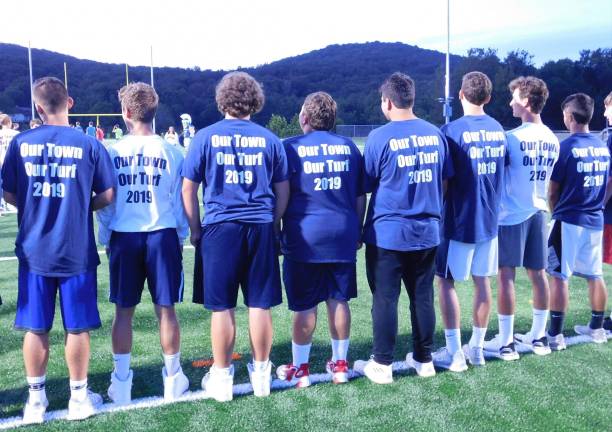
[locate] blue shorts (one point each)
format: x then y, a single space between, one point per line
232 255
36 301
308 284
152 256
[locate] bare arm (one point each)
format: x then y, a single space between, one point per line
281 191
554 191
10 198
608 191
101 200
192 209
360 208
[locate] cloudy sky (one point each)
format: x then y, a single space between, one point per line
227 34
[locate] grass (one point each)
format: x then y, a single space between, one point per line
565 391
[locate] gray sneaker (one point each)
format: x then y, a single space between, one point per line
598 335
474 355
556 343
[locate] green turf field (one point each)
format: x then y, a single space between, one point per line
571 390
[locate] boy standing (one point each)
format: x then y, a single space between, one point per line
243 168
477 145
144 231
576 198
531 153
321 230
607 240
406 164
50 173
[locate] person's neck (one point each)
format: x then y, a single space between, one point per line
529 117
57 120
473 110
6 127
578 128
231 117
142 129
401 114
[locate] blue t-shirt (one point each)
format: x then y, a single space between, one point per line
91 131
237 162
608 209
405 164
321 223
477 145
53 170
582 173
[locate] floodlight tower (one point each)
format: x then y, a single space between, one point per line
447 110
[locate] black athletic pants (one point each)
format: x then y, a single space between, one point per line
385 270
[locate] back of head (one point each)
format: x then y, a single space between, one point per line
580 106
141 100
608 100
5 121
399 89
533 89
320 109
239 95
476 87
51 94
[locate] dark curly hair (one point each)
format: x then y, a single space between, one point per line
320 109
239 95
477 87
533 89
399 88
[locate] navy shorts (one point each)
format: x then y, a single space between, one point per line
232 255
152 256
36 301
524 244
308 284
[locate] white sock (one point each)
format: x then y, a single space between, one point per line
122 365
538 325
260 366
221 371
78 389
172 363
36 388
339 349
506 329
478 337
453 340
301 353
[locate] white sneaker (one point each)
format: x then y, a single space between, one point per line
493 348
538 346
218 384
175 385
556 343
598 335
376 372
260 380
120 392
34 413
475 355
424 370
82 409
454 363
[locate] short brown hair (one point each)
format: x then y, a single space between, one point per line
141 100
580 106
320 109
5 120
239 95
533 89
608 99
35 122
50 93
399 89
476 87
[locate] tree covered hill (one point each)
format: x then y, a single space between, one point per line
351 73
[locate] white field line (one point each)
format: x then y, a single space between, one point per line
101 251
239 390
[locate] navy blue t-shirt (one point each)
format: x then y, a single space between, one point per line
608 208
477 145
405 163
321 223
53 170
237 162
582 173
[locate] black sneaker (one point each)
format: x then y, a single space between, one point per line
508 352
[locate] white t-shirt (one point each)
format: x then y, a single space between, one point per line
532 151
148 194
6 135
172 138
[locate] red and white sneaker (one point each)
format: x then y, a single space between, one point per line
300 376
339 370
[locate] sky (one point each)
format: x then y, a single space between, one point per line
227 34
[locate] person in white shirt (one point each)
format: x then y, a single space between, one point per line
6 135
171 136
533 150
144 231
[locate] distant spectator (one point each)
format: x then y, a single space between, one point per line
171 136
78 126
91 130
6 135
34 123
15 126
99 133
118 132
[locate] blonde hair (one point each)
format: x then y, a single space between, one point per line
141 100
